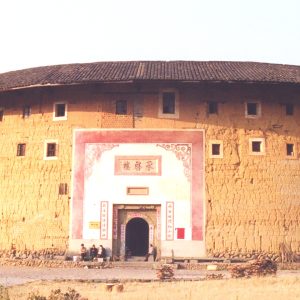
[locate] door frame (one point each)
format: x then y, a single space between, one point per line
123 213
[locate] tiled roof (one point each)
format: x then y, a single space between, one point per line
151 70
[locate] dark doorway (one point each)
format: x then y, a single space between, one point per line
137 237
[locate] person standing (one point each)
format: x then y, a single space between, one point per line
151 252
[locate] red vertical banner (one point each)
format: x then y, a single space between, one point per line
170 221
104 220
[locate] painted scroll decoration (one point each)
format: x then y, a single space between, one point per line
104 220
183 152
170 221
93 152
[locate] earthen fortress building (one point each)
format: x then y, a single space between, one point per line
193 157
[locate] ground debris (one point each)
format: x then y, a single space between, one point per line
256 267
165 272
214 276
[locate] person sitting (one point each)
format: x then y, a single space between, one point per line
102 252
93 252
152 251
83 252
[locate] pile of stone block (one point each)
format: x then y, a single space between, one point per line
257 267
165 272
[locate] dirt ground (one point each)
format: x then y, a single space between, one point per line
142 284
270 288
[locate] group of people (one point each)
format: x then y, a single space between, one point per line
93 254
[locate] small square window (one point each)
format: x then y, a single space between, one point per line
121 107
253 109
289 109
290 151
212 107
26 111
21 149
1 115
60 111
216 149
63 189
168 103
51 149
257 146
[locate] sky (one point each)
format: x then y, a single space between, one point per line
49 32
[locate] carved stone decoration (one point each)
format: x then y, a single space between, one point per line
182 152
93 153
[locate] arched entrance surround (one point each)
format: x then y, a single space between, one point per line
133 215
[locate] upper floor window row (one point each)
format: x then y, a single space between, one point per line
168 107
252 109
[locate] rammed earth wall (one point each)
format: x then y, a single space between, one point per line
252 202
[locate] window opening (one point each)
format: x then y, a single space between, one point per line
213 107
51 149
168 103
63 189
60 110
256 146
252 109
21 149
290 149
289 109
26 111
215 149
121 107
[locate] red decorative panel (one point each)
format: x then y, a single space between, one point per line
180 233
